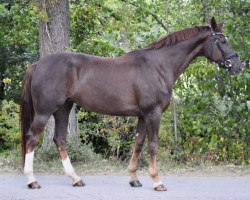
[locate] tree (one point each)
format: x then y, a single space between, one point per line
54 36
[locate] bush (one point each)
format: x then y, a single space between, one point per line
9 125
111 136
77 152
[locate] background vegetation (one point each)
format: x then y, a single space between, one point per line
212 108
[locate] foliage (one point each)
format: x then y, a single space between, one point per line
212 128
77 152
109 135
9 128
18 45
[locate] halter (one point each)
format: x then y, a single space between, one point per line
226 64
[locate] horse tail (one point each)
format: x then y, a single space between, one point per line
26 108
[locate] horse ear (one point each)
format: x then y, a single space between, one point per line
221 24
213 23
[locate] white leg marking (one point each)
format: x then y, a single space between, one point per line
28 167
157 184
69 170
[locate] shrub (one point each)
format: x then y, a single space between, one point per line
9 125
77 152
111 136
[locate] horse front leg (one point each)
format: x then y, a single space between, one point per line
153 124
139 140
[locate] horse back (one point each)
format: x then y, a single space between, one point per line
103 85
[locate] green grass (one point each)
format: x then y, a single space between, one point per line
90 163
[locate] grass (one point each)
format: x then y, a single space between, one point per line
90 163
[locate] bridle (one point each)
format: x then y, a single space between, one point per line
226 64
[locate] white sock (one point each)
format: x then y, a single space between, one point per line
157 184
69 170
28 167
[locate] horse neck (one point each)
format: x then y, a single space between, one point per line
177 57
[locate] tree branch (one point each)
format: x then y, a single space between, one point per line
152 14
206 11
22 5
166 10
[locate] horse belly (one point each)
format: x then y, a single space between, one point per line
110 100
108 105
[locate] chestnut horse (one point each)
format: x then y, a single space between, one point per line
139 83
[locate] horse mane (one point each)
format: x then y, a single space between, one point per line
177 36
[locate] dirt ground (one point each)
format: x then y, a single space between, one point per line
115 187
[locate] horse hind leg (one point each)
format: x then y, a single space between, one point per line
32 138
60 139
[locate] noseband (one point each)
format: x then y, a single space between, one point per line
226 64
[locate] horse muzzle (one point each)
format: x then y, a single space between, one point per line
233 67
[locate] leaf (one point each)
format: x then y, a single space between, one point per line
214 138
248 105
209 129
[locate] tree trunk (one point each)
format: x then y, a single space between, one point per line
54 37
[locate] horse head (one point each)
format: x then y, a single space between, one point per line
218 49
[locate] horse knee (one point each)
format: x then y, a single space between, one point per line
153 148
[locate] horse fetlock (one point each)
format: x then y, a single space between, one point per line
28 171
75 178
153 173
132 168
69 173
157 184
69 170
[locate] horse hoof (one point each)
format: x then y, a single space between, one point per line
160 187
79 184
135 183
34 185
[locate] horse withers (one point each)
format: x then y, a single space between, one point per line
138 83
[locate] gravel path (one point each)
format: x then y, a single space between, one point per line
13 187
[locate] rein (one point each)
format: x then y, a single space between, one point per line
226 64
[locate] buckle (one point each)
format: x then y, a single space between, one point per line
228 64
